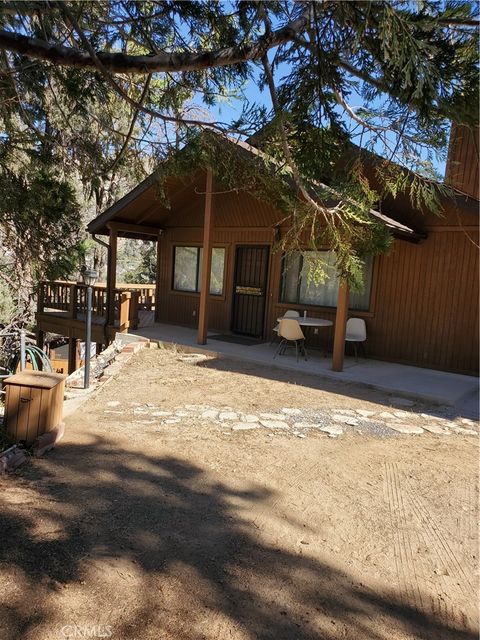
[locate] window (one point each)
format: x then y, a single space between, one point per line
187 269
301 286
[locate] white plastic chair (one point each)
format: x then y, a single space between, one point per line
290 331
356 334
289 313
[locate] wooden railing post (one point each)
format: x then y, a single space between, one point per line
133 312
124 311
72 306
41 297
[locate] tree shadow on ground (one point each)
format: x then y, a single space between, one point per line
157 548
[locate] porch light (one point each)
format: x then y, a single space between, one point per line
89 277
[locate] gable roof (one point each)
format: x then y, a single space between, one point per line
133 208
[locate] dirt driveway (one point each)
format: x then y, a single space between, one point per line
156 519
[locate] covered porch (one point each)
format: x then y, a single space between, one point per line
402 381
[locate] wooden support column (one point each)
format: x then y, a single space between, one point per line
157 279
206 261
111 277
72 355
340 326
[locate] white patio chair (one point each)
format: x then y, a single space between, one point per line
289 313
356 334
290 331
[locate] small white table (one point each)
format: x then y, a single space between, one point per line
309 321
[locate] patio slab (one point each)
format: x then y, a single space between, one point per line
426 385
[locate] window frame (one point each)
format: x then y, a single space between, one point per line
196 293
367 312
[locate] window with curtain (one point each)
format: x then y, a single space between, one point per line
187 269
300 282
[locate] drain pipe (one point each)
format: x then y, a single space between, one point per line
102 242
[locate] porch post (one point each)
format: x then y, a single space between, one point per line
206 262
340 326
111 277
157 278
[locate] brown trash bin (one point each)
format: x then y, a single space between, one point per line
33 404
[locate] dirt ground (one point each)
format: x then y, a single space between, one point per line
140 528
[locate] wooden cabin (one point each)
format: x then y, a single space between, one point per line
420 301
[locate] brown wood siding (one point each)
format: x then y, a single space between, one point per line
424 298
462 170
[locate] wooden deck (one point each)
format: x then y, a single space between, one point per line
61 309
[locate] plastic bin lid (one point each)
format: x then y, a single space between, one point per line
42 379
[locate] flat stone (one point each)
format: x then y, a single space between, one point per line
291 412
272 416
467 421
243 426
386 415
113 411
274 424
306 425
405 428
353 422
161 413
194 407
182 414
249 417
365 413
210 414
433 427
301 435
346 412
465 432
172 421
402 402
228 415
334 431
429 416
143 421
113 403
403 414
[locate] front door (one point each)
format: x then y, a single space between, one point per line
249 290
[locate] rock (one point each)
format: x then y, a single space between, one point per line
243 426
403 414
249 417
433 427
306 425
172 421
405 428
352 422
274 424
402 402
332 431
272 416
291 412
301 435
467 421
113 403
182 414
112 411
365 413
386 415
158 414
210 414
346 412
228 415
429 416
463 431
193 407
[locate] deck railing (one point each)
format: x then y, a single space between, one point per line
68 300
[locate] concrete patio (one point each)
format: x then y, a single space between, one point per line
427 385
